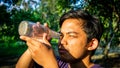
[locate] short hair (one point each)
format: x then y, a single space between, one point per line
91 25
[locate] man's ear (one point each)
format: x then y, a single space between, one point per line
93 44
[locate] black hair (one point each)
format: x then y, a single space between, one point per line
91 25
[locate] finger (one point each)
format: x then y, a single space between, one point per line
29 40
29 44
45 24
35 28
38 22
45 39
25 38
31 47
46 27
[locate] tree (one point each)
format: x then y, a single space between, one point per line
109 13
48 11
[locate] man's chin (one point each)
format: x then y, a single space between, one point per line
67 58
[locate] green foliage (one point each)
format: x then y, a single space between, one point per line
4 15
54 43
14 49
109 14
45 13
49 11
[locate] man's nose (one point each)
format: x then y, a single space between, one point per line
63 41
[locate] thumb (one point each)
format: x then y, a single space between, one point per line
45 39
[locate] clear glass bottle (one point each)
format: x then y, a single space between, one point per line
31 29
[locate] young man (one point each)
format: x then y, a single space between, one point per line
80 34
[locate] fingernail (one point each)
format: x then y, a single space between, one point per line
20 37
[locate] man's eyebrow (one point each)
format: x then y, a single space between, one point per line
72 32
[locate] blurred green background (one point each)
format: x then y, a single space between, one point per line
12 12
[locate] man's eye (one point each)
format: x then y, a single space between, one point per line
61 36
73 36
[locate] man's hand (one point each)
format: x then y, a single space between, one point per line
39 30
41 51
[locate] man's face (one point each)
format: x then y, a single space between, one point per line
73 40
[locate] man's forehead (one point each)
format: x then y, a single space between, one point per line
76 21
